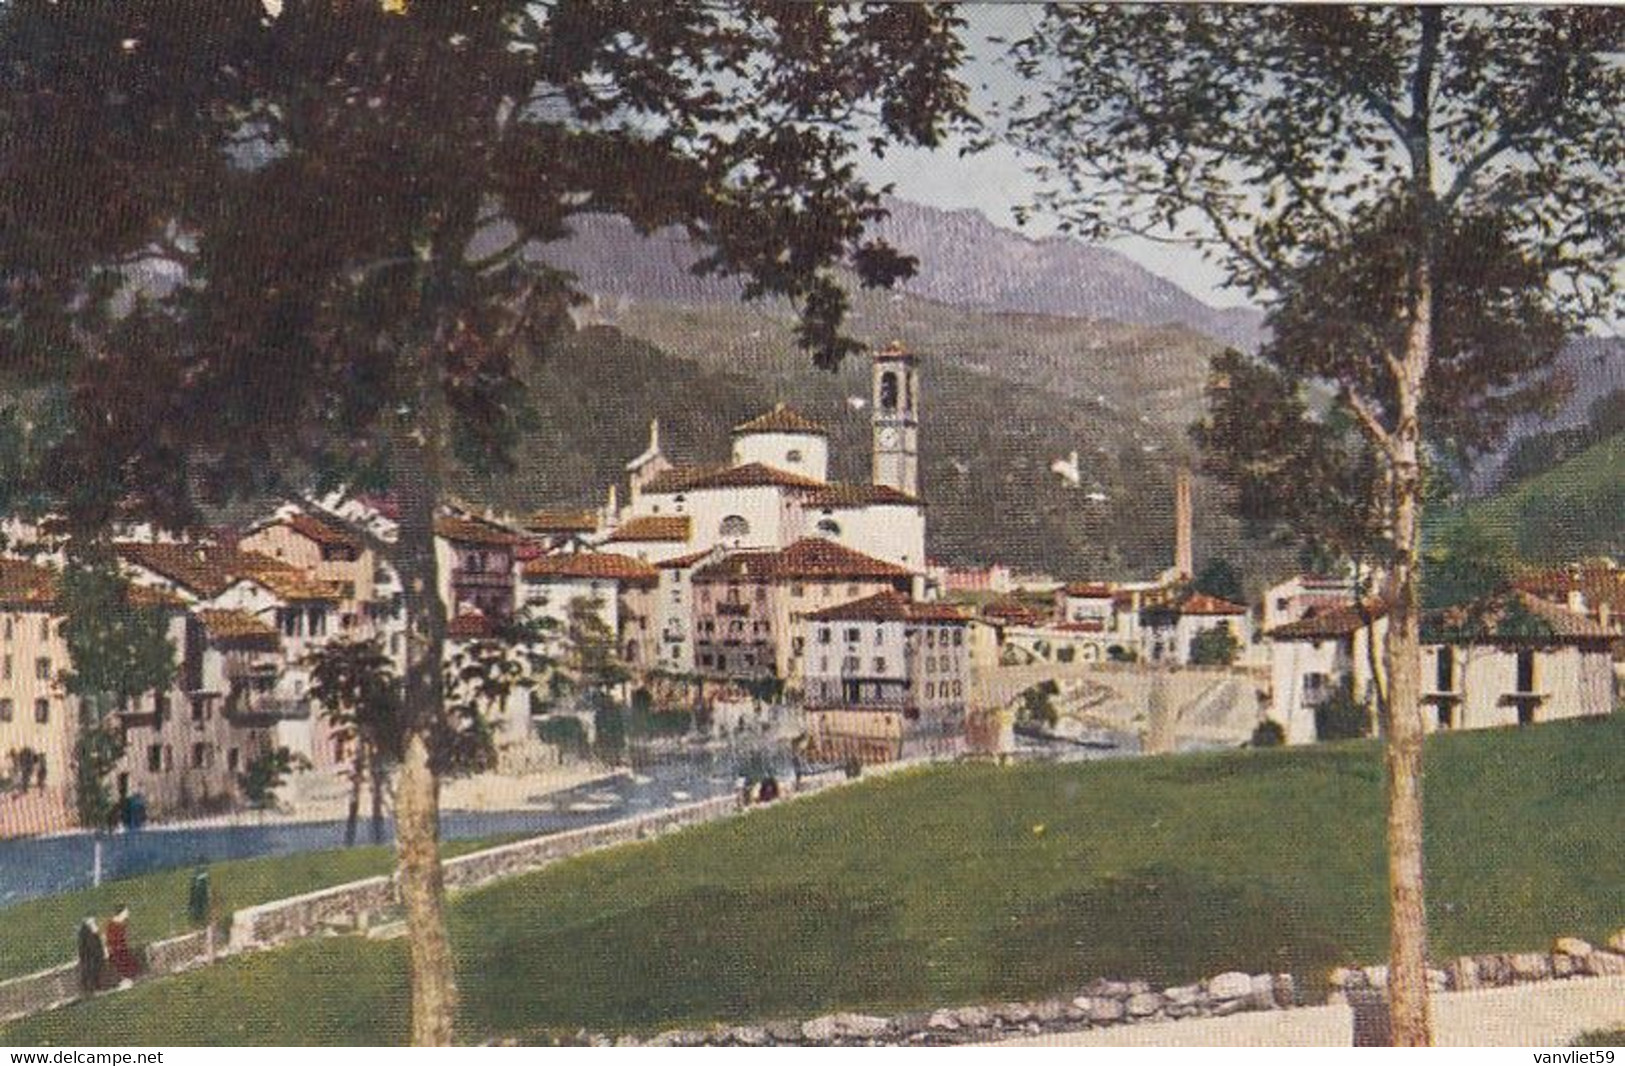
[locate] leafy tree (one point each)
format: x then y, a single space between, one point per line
294 246
1218 578
1342 715
1215 646
266 772
1038 705
355 684
1468 561
1426 199
590 659
118 651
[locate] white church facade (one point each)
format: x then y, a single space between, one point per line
775 490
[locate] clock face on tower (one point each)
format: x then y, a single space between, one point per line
888 437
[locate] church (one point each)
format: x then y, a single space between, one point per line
775 490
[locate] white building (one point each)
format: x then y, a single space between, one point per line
1313 656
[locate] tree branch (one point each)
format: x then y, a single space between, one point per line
1379 434
356 529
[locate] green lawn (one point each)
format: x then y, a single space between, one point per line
38 933
964 884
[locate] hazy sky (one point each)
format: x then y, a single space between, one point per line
997 180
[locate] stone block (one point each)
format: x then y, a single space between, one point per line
1262 994
1286 990
1144 1004
1463 972
975 1017
1530 965
1571 945
1604 964
1105 1009
1231 985
844 1026
944 1020
1183 995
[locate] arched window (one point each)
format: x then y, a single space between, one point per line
793 455
829 527
888 391
734 525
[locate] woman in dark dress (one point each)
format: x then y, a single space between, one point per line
92 957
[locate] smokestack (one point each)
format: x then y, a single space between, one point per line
1184 561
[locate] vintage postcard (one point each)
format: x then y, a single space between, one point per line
752 523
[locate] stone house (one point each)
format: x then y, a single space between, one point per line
620 589
1311 657
476 564
37 719
1168 630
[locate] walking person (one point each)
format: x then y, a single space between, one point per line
92 957
123 959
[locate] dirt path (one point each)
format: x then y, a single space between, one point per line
1543 1014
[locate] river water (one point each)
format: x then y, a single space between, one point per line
45 866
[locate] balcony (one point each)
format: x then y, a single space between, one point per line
258 709
738 610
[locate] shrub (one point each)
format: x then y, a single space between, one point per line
564 732
1269 734
1341 716
1216 646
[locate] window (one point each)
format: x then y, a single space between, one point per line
290 621
798 590
888 391
829 527
734 526
930 691
1314 684
169 757
42 669
959 638
849 665
824 634
880 665
42 711
160 709
200 708
880 636
1282 603
1526 671
155 758
318 621
796 646
852 636
6 711
959 688
852 590
45 629
8 627
793 455
5 669
233 758
200 756
1444 670
930 664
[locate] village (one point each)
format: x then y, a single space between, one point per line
757 596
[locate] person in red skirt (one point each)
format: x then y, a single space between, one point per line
120 956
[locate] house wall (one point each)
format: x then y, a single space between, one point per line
673 620
873 655
891 532
1574 682
765 509
806 454
26 637
283 543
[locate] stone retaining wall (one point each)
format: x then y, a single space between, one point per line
47 989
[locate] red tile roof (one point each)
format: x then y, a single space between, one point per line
315 529
1329 623
25 586
782 419
746 476
470 626
473 531
888 606
207 570
683 562
1513 618
236 626
1088 590
588 565
808 558
562 522
653 528
1013 611
838 496
1200 603
1599 585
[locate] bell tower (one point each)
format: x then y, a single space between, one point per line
896 419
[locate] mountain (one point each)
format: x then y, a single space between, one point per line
965 260
968 261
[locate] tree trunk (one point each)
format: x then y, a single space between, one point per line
377 801
357 773
417 789
1407 966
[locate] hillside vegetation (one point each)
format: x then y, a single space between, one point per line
1572 511
969 883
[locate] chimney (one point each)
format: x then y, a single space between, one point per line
1184 562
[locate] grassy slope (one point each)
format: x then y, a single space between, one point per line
38 933
1573 510
965 884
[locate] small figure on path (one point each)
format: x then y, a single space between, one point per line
92 957
769 790
119 954
197 899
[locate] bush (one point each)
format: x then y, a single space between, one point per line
1269 734
609 729
564 732
1342 717
1216 646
